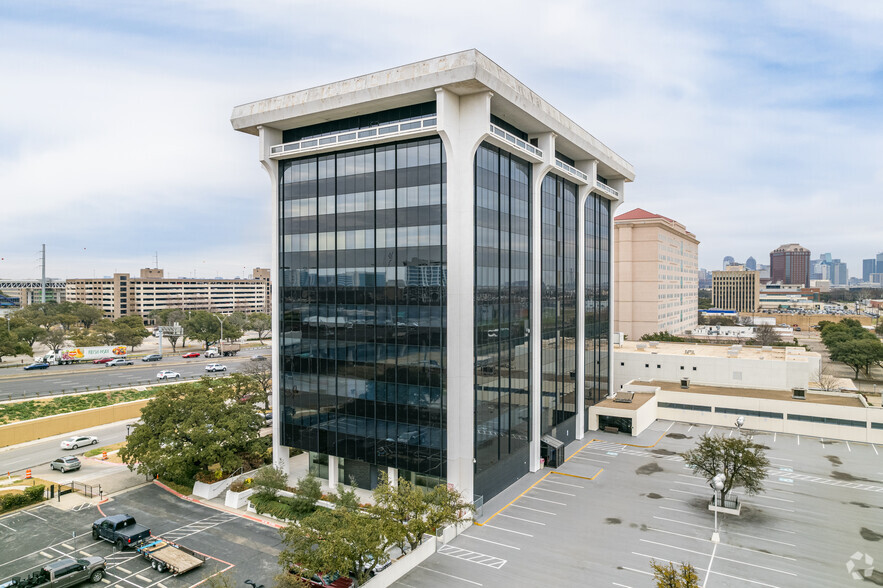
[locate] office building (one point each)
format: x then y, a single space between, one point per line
21 293
729 259
479 218
869 266
789 264
751 264
123 295
657 289
737 290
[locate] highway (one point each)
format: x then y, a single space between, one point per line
15 383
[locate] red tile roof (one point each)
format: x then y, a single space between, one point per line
640 213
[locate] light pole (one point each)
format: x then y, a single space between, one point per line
717 484
221 340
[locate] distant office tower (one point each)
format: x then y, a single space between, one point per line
880 263
869 266
837 273
736 290
655 272
789 264
728 260
751 264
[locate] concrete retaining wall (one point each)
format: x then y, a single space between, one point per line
60 424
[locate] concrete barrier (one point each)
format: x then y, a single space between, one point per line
59 424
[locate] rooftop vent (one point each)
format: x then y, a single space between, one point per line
625 397
654 343
798 393
641 346
766 348
685 383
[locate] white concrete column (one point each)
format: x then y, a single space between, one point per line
614 204
546 142
463 121
588 166
333 477
268 138
392 475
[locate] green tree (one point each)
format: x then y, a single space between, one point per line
26 331
85 338
235 326
662 336
268 481
334 542
742 461
53 338
203 326
261 323
129 330
190 427
104 331
86 314
859 354
168 317
409 513
11 344
667 576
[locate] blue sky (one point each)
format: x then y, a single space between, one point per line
754 124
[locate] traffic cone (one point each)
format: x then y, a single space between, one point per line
104 454
27 474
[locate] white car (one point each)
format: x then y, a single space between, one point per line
215 367
77 442
167 375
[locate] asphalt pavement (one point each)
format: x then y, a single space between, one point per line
16 384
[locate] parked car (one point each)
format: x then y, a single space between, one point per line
37 366
215 367
167 375
103 360
77 442
62 573
191 354
330 580
67 463
258 357
152 357
118 361
120 529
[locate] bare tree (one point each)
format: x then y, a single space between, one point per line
765 335
261 374
826 381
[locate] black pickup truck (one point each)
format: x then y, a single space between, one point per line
121 530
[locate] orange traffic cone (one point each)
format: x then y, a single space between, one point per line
104 454
27 474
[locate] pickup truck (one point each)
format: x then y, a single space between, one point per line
121 530
62 573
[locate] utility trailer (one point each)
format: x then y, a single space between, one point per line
167 556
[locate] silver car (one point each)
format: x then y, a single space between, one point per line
67 463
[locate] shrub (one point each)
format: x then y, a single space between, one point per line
34 493
239 486
268 481
11 501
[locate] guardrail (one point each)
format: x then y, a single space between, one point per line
355 136
571 170
518 143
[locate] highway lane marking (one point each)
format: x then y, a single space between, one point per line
535 509
507 530
523 520
489 541
450 575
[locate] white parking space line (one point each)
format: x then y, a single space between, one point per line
768 506
693 551
875 449
677 534
761 538
742 580
646 573
621 585
450 575
687 492
489 541
711 561
544 500
10 528
553 491
684 523
533 509
779 459
729 546
33 515
520 519
507 530
679 510
547 481
66 546
771 498
472 556
44 554
689 484
848 447
142 578
122 569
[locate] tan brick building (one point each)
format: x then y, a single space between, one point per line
122 294
656 271
736 290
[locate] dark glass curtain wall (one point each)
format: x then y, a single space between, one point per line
597 227
502 318
558 305
363 306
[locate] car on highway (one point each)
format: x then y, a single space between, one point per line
191 354
67 463
77 442
103 360
215 367
258 357
40 365
167 375
118 361
152 357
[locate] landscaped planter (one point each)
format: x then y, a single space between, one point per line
237 499
731 506
209 491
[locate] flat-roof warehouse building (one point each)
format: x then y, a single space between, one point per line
442 261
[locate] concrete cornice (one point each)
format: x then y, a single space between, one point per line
463 73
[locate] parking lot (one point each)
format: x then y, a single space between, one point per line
619 503
242 548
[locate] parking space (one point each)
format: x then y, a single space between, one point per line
31 538
619 503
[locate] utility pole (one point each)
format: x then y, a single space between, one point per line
43 277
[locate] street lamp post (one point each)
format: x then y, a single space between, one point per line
717 484
221 320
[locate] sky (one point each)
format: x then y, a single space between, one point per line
752 123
